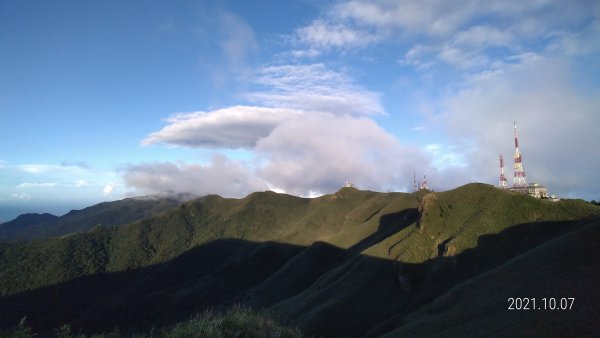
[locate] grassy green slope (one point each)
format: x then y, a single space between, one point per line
352 263
25 266
566 266
234 322
264 216
460 234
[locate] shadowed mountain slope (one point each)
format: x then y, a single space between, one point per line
354 263
566 266
264 216
212 275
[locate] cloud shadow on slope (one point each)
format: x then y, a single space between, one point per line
228 271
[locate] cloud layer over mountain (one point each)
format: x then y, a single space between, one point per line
309 126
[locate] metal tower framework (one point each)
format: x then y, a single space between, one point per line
424 184
519 176
503 182
415 186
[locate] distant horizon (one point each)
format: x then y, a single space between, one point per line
63 210
104 100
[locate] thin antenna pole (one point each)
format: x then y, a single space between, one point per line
519 175
415 187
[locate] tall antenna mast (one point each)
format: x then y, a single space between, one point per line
502 183
519 177
424 184
415 186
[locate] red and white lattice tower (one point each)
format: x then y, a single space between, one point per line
519 177
502 183
424 184
415 186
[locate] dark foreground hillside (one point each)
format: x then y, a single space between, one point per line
352 264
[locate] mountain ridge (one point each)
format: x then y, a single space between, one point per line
114 213
330 264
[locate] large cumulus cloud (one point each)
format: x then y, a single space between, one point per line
321 151
478 67
310 130
553 117
310 154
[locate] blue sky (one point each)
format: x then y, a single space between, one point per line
103 100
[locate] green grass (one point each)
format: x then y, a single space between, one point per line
237 321
265 216
352 263
563 267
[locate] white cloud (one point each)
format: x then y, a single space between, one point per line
310 129
553 117
318 153
34 168
232 127
444 157
37 185
222 176
462 58
444 19
415 17
480 36
288 92
46 168
420 56
424 57
453 33
302 53
359 24
307 117
314 87
310 134
469 48
312 154
81 183
21 196
324 35
582 42
108 189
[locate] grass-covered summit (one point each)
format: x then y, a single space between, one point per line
353 263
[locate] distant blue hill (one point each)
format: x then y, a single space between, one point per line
33 226
26 220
